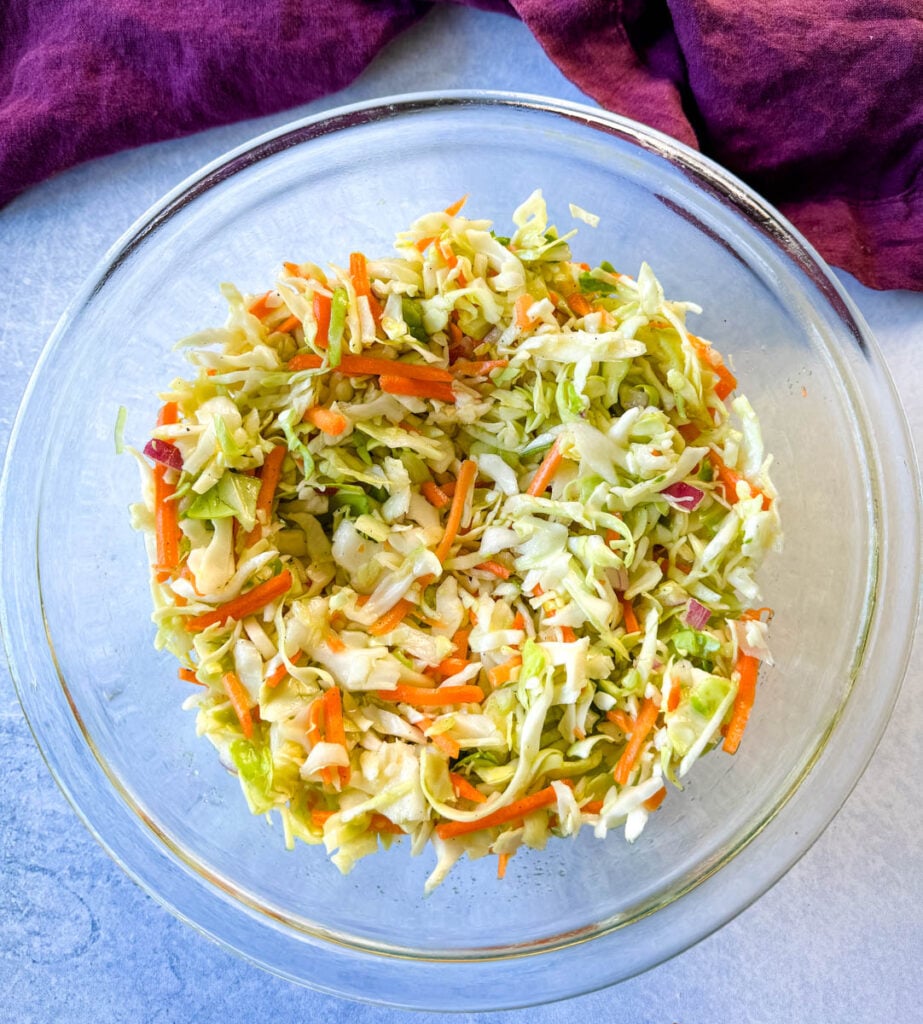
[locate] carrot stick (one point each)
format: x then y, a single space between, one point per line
747 669
424 698
503 860
359 272
258 307
166 514
322 306
653 802
521 312
304 361
451 666
446 744
478 367
240 701
379 823
641 726
188 676
336 733
448 488
269 480
243 605
335 643
578 304
434 494
546 471
464 789
628 614
376 366
621 719
500 674
293 270
448 255
519 621
517 809
328 421
568 635
495 569
463 486
276 677
460 639
435 390
287 326
729 479
454 209
391 619
674 698
320 818
689 432
592 807
422 244
726 380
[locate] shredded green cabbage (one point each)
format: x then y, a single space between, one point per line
554 617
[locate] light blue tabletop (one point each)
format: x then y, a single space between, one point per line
839 939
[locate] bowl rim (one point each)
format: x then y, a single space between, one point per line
708 175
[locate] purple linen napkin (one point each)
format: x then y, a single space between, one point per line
818 104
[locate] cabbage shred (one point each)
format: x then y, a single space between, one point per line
564 609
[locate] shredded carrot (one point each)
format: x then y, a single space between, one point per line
689 432
359 272
674 698
467 475
293 270
730 478
379 823
546 471
392 618
426 698
592 807
446 744
503 860
501 674
304 361
448 255
166 515
336 733
628 613
240 701
434 494
653 802
320 818
621 719
478 367
435 390
460 640
512 812
642 725
726 380
322 305
276 677
451 666
495 569
377 366
269 481
335 643
243 605
757 613
464 790
328 421
578 304
287 326
568 635
188 676
521 312
422 244
519 621
456 337
455 208
258 307
747 670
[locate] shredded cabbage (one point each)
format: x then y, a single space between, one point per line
446 468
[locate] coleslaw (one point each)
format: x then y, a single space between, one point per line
459 544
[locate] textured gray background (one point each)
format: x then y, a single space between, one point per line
839 939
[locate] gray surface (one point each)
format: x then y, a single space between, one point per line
838 939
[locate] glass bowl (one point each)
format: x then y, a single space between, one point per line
105 707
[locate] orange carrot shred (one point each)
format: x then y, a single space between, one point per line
322 305
460 640
568 635
653 802
521 312
628 614
689 432
467 475
335 643
501 674
435 390
478 367
434 494
188 676
747 670
495 569
379 823
578 304
240 701
546 471
446 744
730 478
642 725
276 677
422 244
269 481
464 789
377 366
333 719
243 605
258 307
287 326
455 208
328 421
391 619
621 719
451 666
503 860
512 812
592 807
166 514
418 696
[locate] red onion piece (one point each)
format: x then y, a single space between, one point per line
165 453
697 615
683 496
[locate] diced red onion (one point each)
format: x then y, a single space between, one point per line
683 496
697 615
165 453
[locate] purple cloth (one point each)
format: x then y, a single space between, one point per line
818 104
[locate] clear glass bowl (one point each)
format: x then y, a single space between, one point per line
105 707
